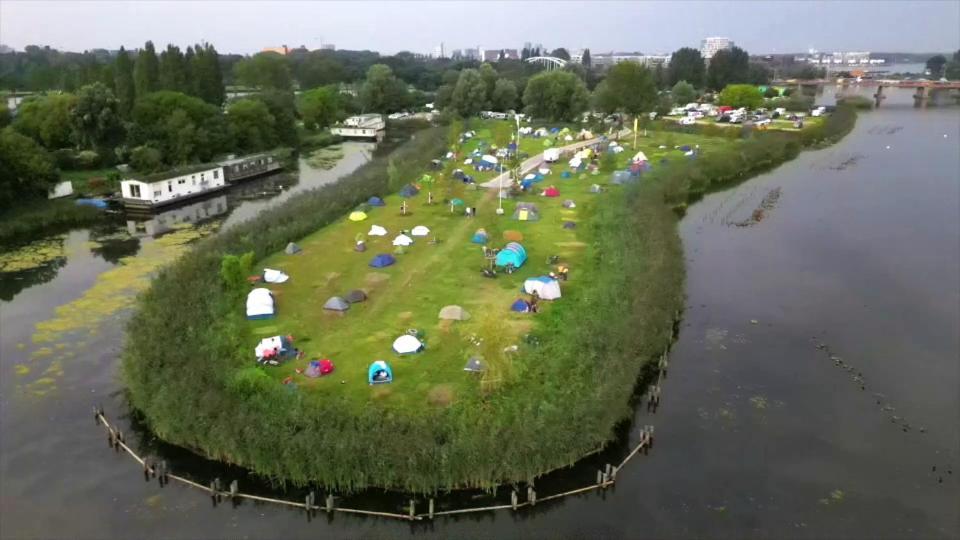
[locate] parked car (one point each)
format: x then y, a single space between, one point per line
688 120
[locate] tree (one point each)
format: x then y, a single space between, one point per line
382 91
771 92
266 70
952 69
123 83
686 64
586 60
96 119
207 78
604 100
25 168
741 95
728 66
560 53
319 69
146 159
283 108
183 128
758 74
683 92
173 71
47 120
469 96
555 96
320 107
631 88
935 64
146 72
5 116
489 77
251 125
504 96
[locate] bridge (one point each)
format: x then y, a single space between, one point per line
921 97
551 62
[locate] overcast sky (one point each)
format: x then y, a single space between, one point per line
249 26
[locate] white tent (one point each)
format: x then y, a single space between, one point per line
402 240
551 154
640 156
541 132
585 134
546 289
568 137
575 162
543 170
616 149
526 130
260 304
468 161
454 313
268 344
420 230
376 230
274 276
407 344
449 155
489 159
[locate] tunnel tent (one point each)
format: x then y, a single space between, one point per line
453 313
402 240
420 230
407 344
382 260
274 276
292 249
355 296
512 255
376 201
377 230
336 303
379 372
526 212
260 304
475 365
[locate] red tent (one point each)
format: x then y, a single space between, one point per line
551 192
326 367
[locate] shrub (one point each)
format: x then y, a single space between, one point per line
146 159
88 159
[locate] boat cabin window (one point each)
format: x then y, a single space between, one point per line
216 174
182 181
157 193
135 191
201 177
170 186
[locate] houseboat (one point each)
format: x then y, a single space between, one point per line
155 190
364 126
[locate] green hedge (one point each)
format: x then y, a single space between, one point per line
40 217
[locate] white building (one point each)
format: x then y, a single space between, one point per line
709 46
366 126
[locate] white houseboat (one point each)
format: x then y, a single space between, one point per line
364 126
174 186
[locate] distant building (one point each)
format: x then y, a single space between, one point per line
577 56
838 58
438 51
709 46
471 54
279 50
611 58
5 50
328 47
493 55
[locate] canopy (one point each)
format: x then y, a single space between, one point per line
292 249
513 254
454 313
409 190
377 230
379 372
375 201
319 368
402 240
475 365
420 230
358 216
546 288
276 344
407 344
355 296
274 276
479 237
382 260
551 191
526 212
336 303
260 304
520 306
569 204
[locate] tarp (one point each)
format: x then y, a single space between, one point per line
409 190
513 254
376 201
526 212
520 306
551 191
379 372
260 304
319 368
402 240
377 230
513 236
546 288
355 296
420 230
475 365
274 276
407 344
336 303
453 313
382 260
358 216
292 249
569 204
479 237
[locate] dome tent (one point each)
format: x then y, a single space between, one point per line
569 225
475 365
274 276
520 306
358 216
379 372
319 368
377 230
274 347
526 212
513 254
382 260
376 201
260 304
336 303
420 230
454 313
551 191
292 249
402 240
546 287
355 296
407 344
569 203
409 190
479 237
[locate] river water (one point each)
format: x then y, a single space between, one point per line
813 391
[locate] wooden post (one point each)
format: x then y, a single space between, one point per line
431 508
513 499
412 508
146 469
532 495
329 503
213 491
599 477
164 473
234 489
609 472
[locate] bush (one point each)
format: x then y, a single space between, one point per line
857 102
146 159
87 159
65 158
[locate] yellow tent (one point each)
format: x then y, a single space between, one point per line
358 216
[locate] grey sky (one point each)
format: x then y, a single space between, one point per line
248 26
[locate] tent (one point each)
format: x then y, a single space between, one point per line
526 212
409 190
272 347
382 260
547 143
489 159
551 191
565 174
355 296
360 246
426 179
336 303
420 230
274 276
623 177
377 230
292 249
513 236
458 174
595 188
454 313
479 237
529 176
407 344
520 306
684 148
640 156
456 202
575 162
569 225
568 138
402 240
260 304
379 372
513 254
319 368
544 170
546 287
376 201
569 203
475 365
358 216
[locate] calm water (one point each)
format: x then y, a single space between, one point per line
760 434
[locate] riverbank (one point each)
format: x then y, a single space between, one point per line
573 378
44 217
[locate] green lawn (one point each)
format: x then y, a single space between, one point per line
427 277
94 181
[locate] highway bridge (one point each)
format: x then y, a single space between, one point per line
924 90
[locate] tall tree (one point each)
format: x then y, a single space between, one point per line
728 66
504 96
632 87
470 94
189 79
26 170
489 77
146 72
686 64
758 74
47 120
318 69
123 83
683 93
935 64
556 96
382 91
207 78
320 107
173 73
586 60
183 128
96 119
251 125
267 70
283 108
952 69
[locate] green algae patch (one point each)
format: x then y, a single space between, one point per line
325 158
34 255
21 369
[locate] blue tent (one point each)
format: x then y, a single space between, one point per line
565 174
375 201
409 190
555 130
525 185
382 260
379 373
520 306
512 146
513 254
685 148
538 177
479 237
459 174
467 179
